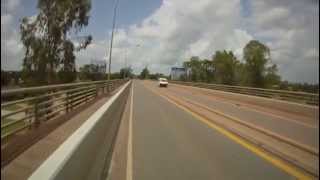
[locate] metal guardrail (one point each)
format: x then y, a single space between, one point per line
298 97
87 153
25 108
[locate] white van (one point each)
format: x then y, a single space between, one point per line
163 82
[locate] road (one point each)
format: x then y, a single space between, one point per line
170 143
303 130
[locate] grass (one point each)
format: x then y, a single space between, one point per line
12 107
11 127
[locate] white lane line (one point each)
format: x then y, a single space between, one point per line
129 151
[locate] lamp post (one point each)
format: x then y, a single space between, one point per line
111 42
125 64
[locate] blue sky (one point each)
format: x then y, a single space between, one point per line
129 12
170 31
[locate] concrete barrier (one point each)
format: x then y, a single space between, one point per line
86 154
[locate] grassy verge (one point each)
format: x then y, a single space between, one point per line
12 107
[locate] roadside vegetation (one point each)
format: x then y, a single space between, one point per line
255 70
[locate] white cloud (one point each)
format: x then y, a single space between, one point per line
179 29
291 29
11 47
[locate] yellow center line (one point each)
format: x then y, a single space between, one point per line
258 151
247 106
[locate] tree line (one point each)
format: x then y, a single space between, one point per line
145 74
256 70
224 68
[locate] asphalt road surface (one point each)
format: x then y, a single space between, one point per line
169 143
289 126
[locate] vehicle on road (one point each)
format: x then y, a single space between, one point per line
163 82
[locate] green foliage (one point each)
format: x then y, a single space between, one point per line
257 56
200 70
5 79
90 72
47 46
240 74
225 64
144 73
156 76
10 78
67 76
224 68
126 72
272 79
11 128
311 88
194 65
115 75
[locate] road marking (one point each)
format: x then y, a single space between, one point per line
129 150
258 151
247 106
267 132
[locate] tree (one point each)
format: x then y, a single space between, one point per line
156 76
4 78
207 74
144 73
126 72
194 65
90 72
115 75
272 79
225 64
45 37
200 70
256 55
240 74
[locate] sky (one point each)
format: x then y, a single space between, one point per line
161 34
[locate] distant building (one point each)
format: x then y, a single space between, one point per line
177 73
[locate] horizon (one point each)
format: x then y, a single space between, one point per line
171 31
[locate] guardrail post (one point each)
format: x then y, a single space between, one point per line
27 113
67 102
97 90
36 113
86 97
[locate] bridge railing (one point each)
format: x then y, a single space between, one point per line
87 153
25 108
298 97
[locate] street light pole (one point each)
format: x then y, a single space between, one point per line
125 61
111 42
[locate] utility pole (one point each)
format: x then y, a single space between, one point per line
111 42
125 63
